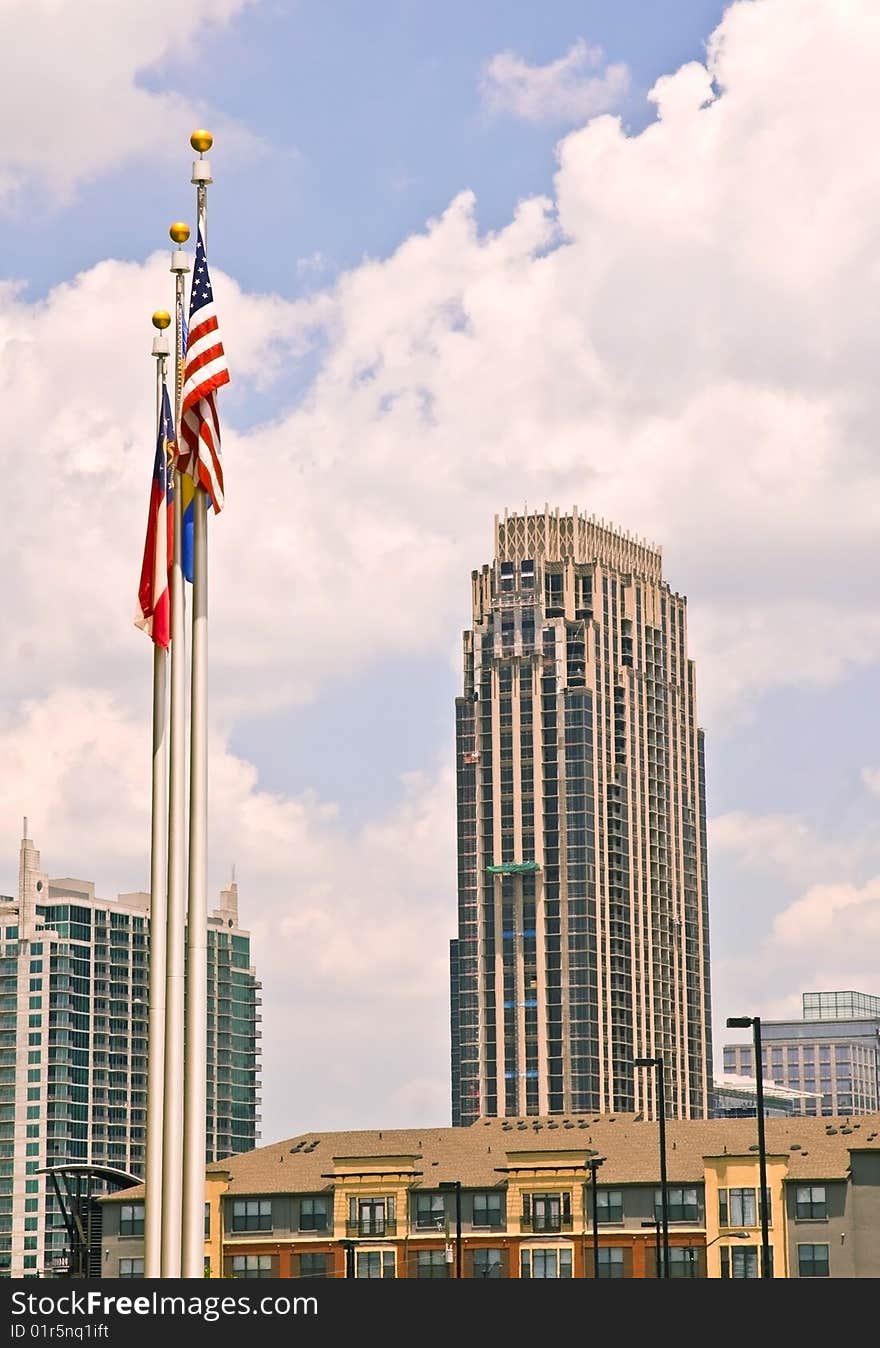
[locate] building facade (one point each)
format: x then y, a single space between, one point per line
74 983
390 1204
583 933
832 1054
736 1097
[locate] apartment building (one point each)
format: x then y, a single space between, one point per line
74 983
583 923
391 1203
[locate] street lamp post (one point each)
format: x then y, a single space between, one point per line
593 1165
726 1235
657 1063
743 1023
454 1186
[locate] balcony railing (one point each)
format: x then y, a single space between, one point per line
545 1225
371 1226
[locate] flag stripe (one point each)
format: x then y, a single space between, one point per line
205 371
153 613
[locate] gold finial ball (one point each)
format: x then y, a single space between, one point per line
179 231
201 141
161 319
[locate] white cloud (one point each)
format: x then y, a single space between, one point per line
350 928
565 90
681 340
71 101
786 846
871 778
644 345
809 909
830 913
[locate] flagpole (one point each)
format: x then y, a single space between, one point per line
195 1090
172 1168
158 842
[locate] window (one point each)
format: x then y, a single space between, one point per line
207 1221
371 1217
813 1261
738 1207
487 1209
545 1263
612 1262
488 1263
430 1212
313 1214
609 1205
432 1264
131 1268
252 1266
375 1264
810 1204
683 1204
314 1266
683 1262
547 1212
251 1214
131 1219
739 1262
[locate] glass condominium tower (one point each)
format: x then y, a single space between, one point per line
74 983
583 933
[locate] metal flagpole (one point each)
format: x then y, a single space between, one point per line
194 1106
158 840
172 1166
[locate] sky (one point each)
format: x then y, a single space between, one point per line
465 258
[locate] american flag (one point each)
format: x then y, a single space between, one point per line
204 372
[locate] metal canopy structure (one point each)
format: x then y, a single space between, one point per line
78 1187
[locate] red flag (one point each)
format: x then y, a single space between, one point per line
153 614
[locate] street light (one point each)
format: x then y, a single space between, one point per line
454 1186
743 1023
657 1063
593 1165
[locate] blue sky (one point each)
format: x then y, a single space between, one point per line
371 121
463 261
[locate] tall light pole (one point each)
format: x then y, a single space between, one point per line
593 1165
454 1186
743 1023
657 1063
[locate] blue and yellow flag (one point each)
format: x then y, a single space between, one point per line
187 491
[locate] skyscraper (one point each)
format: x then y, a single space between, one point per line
583 936
74 980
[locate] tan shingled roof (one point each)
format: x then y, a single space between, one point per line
485 1153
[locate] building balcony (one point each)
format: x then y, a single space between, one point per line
371 1226
545 1225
